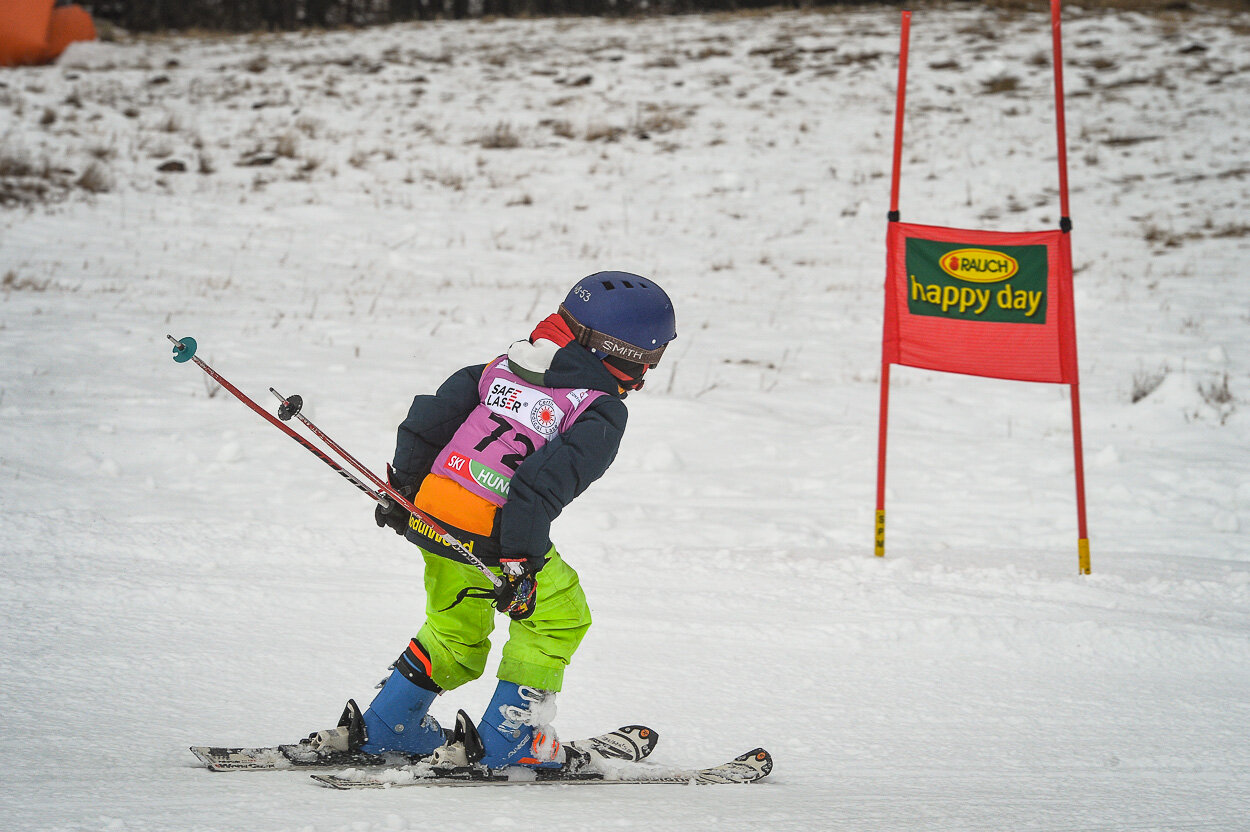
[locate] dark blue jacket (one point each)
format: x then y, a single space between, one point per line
548 479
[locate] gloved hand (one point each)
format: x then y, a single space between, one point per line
392 513
516 595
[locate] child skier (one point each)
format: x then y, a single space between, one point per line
494 456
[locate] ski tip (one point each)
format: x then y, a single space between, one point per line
204 754
184 348
328 781
759 759
646 737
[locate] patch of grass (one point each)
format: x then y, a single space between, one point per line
858 58
308 125
12 283
287 145
560 127
304 172
499 137
604 133
1128 141
709 52
1146 382
1234 230
16 164
1216 394
658 120
95 179
25 180
1000 84
1165 237
447 179
662 62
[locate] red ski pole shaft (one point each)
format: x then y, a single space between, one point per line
389 490
180 355
334 446
238 394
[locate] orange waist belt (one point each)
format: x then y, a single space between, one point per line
446 500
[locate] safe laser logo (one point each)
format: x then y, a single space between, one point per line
1006 284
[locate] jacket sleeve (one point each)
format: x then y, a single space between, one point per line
561 470
431 423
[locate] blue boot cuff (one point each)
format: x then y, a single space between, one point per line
396 719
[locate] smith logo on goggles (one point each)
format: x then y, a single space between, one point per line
595 340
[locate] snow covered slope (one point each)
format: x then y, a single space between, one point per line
360 214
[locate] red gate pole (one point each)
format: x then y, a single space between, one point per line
1065 225
898 114
1082 529
1065 218
883 413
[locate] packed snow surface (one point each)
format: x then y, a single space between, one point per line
352 216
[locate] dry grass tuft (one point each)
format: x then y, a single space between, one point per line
499 137
1146 382
1000 84
12 283
604 133
95 179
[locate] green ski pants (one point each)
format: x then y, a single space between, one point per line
538 648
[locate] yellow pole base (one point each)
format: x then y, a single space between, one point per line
879 540
1082 546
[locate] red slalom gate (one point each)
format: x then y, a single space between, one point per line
984 303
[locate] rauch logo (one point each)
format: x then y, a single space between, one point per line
979 265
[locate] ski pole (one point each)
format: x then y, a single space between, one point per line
292 406
184 351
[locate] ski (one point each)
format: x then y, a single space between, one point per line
292 756
587 769
629 743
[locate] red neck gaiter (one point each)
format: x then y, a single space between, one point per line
552 328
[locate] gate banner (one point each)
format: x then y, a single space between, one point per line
982 303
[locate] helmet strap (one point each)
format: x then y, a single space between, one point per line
592 339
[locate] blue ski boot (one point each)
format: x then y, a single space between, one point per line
514 731
397 720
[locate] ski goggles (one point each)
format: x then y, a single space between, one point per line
592 339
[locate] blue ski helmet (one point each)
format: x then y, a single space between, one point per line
620 315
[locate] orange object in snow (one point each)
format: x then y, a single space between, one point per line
68 24
33 32
24 31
